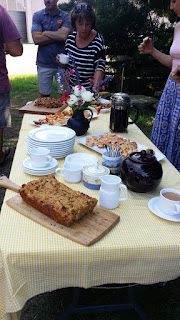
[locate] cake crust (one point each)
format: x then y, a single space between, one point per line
56 200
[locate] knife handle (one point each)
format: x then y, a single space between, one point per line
8 184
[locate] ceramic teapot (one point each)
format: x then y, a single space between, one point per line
141 171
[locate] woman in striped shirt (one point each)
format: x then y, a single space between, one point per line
86 49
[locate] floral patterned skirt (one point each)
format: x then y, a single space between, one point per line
166 129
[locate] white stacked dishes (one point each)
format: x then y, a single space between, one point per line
59 140
29 168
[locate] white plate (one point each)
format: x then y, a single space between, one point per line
102 100
55 154
140 147
46 133
52 146
82 158
32 121
105 110
28 165
39 173
153 206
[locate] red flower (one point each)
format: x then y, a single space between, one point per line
64 97
71 72
79 87
91 80
80 103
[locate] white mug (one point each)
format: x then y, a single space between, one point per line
40 157
63 58
110 191
72 172
169 201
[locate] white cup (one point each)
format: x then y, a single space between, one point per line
40 157
110 191
169 201
63 58
72 172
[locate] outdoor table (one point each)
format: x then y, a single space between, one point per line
142 248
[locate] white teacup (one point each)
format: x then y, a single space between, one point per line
40 157
110 191
63 58
72 172
169 201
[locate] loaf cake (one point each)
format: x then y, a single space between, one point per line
56 200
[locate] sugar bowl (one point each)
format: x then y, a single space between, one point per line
92 174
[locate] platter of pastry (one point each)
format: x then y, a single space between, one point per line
97 142
59 118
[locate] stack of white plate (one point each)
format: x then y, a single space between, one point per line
59 140
43 171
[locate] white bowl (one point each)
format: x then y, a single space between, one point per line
85 159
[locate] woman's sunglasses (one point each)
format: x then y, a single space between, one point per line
83 6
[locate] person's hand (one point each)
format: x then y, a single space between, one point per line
5 49
63 66
57 58
175 74
146 46
96 92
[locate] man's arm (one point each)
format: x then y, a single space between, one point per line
39 38
60 35
14 48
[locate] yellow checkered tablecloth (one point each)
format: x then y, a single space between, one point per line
142 248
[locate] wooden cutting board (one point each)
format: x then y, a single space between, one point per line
86 231
31 108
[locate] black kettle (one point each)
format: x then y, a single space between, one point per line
120 109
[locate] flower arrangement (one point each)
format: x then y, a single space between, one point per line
80 98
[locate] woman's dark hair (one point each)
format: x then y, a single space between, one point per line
83 11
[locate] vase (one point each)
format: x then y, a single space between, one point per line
78 122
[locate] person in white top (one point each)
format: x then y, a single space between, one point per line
166 129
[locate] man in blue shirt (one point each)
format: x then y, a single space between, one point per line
50 29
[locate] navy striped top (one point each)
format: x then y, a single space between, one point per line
85 61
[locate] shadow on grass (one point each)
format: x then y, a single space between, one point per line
158 301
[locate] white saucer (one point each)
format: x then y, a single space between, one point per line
153 206
105 110
27 164
39 173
